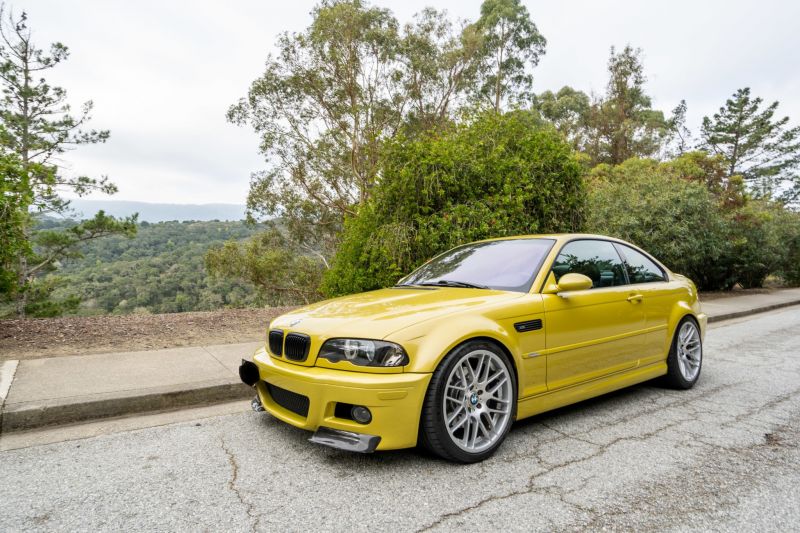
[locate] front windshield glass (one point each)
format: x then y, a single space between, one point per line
507 265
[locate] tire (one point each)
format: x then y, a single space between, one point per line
483 403
685 358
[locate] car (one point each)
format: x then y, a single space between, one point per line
477 337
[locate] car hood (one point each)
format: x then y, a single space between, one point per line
377 314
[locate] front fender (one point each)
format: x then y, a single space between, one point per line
427 350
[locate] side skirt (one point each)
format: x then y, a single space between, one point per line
548 401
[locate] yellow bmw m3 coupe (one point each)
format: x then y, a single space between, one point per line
477 337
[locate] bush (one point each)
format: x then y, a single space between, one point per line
694 219
493 176
677 220
789 224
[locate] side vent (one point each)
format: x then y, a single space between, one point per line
528 325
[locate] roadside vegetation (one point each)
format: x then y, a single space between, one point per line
160 271
388 143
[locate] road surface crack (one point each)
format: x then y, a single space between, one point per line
255 518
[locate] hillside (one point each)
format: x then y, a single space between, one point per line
152 212
161 270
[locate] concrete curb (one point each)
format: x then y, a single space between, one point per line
34 415
754 311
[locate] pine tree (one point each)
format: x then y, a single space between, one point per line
764 150
36 126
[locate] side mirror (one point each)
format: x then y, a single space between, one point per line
574 282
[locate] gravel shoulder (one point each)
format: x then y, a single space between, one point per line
51 337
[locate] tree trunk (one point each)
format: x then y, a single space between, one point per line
21 295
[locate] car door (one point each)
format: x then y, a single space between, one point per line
650 281
594 332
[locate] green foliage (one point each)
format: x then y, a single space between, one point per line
440 66
619 124
14 203
790 264
512 45
687 215
333 95
648 204
764 150
160 271
493 176
281 272
567 110
623 123
43 300
322 108
36 126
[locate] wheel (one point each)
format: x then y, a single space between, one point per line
470 404
685 356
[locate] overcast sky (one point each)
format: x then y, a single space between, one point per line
162 74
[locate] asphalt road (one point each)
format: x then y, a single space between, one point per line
723 456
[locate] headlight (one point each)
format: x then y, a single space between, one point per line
364 352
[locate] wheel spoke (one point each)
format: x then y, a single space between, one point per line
491 392
486 430
479 367
495 376
473 432
471 377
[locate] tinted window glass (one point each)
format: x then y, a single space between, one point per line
596 259
640 268
508 265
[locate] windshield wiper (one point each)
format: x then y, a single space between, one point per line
452 283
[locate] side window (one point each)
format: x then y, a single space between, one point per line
597 259
640 268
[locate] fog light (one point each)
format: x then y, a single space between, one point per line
361 414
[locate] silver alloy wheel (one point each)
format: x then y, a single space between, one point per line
690 351
477 400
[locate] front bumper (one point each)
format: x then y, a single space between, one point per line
395 400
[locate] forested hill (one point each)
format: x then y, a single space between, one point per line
150 212
160 270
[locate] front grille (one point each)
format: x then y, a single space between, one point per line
296 346
291 401
276 342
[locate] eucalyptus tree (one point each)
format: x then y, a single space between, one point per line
512 46
568 111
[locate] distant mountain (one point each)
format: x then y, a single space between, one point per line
159 212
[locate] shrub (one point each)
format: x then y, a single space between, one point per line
677 220
493 176
693 218
789 230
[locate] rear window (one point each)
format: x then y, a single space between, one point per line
641 269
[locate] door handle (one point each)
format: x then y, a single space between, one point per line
634 298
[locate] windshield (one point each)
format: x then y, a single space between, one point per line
507 265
